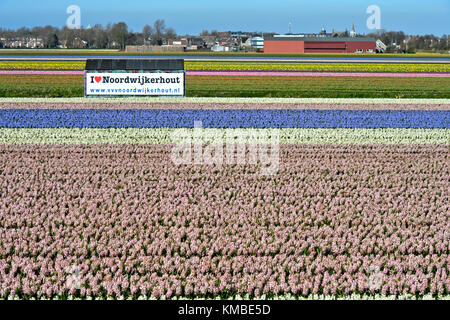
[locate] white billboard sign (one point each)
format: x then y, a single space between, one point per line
141 84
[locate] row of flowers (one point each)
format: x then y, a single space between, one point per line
261 118
282 74
251 66
124 221
250 297
223 103
252 73
340 67
43 64
166 136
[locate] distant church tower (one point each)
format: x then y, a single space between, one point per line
353 33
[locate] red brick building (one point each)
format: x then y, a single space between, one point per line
293 44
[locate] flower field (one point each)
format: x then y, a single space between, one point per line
163 135
59 78
359 206
252 66
252 73
213 103
94 205
342 67
154 118
137 225
247 86
282 74
42 65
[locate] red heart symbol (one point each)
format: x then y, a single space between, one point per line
98 79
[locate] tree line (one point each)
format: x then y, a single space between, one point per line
399 41
118 35
113 36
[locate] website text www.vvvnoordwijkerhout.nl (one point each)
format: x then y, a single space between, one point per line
139 81
136 90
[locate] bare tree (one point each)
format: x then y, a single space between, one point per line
214 33
147 32
159 30
170 33
23 32
119 33
52 41
100 37
49 36
443 42
67 35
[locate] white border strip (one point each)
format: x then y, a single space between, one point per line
228 100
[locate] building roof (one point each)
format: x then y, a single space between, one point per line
134 64
294 38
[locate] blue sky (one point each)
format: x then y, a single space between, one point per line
192 16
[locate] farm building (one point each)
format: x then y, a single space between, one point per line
299 44
257 42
